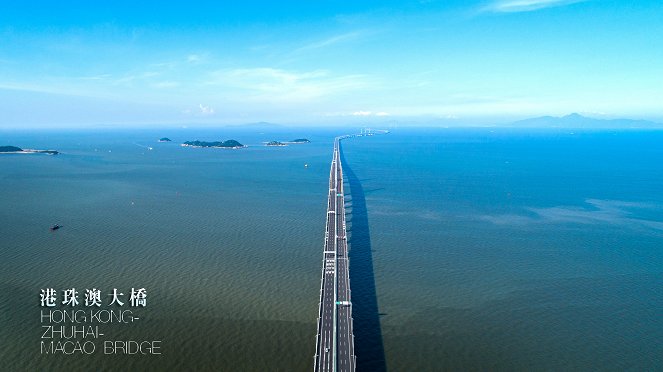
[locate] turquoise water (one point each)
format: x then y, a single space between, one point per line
490 249
514 250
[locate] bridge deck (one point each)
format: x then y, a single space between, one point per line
335 338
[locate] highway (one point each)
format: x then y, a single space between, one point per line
335 338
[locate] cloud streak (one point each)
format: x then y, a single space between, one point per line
330 41
370 113
516 6
273 84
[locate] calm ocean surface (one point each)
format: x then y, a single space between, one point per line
472 249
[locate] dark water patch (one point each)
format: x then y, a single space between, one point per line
590 329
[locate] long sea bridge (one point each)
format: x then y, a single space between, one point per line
334 349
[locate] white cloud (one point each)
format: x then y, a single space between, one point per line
135 78
166 84
513 6
330 41
96 77
272 84
197 58
205 110
370 113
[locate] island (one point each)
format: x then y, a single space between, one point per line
18 150
300 140
275 143
164 139
229 144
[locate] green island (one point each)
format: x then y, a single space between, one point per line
229 144
10 149
300 140
18 150
275 143
164 139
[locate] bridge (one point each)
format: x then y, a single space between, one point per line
334 347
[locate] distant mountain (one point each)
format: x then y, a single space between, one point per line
578 121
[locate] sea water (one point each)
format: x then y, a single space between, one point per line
471 249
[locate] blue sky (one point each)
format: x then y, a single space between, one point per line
327 62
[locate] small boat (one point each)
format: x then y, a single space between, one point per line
305 165
55 227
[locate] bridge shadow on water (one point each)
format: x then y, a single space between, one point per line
369 348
